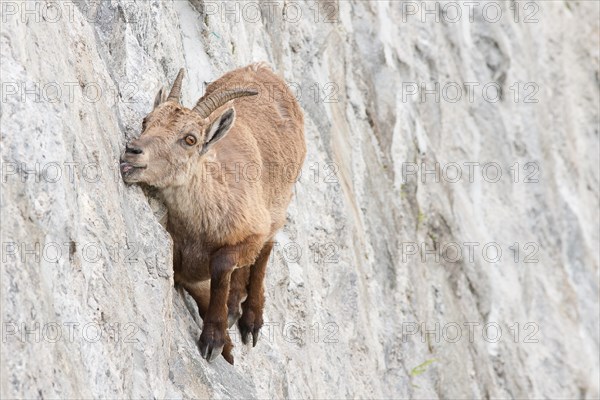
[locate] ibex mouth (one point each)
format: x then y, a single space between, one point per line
127 168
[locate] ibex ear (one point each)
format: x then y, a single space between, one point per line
218 129
161 96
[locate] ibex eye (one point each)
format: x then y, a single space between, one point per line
190 140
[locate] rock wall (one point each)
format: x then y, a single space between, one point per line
443 237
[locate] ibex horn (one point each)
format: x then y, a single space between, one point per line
176 90
211 103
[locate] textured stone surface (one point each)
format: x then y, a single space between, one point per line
85 257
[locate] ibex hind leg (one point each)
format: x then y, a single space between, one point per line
252 309
237 294
200 292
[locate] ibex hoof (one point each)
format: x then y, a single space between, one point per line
249 325
227 352
211 343
255 334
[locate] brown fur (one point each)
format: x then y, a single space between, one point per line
220 218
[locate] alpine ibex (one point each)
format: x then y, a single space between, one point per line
221 217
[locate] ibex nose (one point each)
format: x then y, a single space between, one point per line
133 149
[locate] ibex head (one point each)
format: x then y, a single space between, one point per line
175 138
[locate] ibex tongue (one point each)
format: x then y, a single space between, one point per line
125 167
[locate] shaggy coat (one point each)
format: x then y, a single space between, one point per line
226 179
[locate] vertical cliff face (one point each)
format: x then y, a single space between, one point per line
443 237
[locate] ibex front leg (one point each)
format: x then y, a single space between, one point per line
252 309
200 291
222 264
